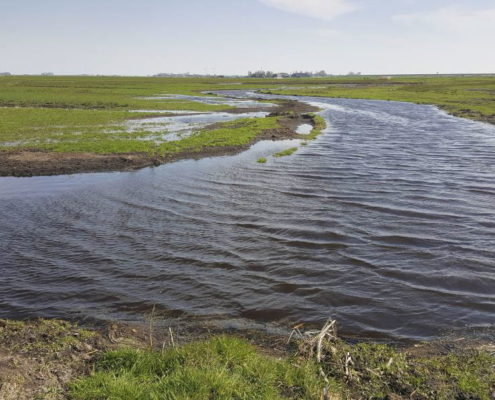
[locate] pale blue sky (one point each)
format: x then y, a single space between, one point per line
151 36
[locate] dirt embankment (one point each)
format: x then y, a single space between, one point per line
26 163
40 358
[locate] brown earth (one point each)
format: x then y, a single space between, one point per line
26 163
39 358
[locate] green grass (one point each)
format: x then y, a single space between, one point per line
88 114
262 160
380 371
320 125
221 368
471 97
284 153
226 367
56 335
103 93
71 114
102 132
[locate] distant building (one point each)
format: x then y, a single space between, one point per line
5 74
281 75
258 74
47 74
320 74
301 75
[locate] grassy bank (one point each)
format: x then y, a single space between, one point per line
468 97
56 359
78 121
87 113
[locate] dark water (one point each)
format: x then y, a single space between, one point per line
386 223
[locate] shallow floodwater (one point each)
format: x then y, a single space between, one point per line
386 222
166 129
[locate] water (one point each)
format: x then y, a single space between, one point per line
304 129
386 222
166 129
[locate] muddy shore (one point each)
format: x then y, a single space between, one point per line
40 358
27 163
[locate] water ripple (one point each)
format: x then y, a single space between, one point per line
386 222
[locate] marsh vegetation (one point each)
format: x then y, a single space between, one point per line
68 115
55 359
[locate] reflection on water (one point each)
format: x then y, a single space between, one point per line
386 222
304 129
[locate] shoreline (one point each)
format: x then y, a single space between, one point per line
29 163
465 114
56 358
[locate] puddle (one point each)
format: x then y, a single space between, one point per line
239 103
166 129
304 129
182 112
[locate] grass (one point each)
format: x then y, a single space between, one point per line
382 371
221 368
89 114
320 125
56 335
262 160
226 367
470 97
284 153
101 132
72 362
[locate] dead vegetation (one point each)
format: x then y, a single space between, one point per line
445 369
42 358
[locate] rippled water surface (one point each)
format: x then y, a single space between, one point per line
386 222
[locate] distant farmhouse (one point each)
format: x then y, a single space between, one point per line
284 75
301 75
5 74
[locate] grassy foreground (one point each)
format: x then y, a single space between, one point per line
51 359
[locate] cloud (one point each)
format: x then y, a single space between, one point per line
329 33
451 19
322 9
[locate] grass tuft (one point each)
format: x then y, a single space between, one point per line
221 368
284 153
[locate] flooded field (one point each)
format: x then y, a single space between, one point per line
386 223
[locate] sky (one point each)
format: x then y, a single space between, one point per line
147 37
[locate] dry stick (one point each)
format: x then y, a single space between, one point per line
171 337
318 340
295 330
330 324
151 327
348 361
